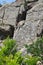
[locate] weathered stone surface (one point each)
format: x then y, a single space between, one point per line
25 34
27 17
40 1
36 15
11 12
33 25
30 0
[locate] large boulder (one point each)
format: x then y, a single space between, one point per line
9 12
33 26
27 17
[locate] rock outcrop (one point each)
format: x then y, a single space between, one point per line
27 18
5 31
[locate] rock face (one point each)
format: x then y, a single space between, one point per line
6 31
27 18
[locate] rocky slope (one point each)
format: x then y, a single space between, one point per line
26 17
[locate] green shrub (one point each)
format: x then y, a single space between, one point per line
9 46
13 60
29 60
9 55
36 48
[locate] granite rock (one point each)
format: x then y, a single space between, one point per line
27 19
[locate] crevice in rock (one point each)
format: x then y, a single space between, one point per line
32 1
28 7
11 30
21 17
41 34
5 33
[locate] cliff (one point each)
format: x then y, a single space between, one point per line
26 16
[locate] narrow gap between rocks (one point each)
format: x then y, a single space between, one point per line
41 34
21 17
32 1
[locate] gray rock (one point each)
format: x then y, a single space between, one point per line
32 17
28 32
39 63
40 1
36 16
20 24
31 0
24 51
11 14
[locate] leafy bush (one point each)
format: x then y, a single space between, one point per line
9 46
16 60
29 60
11 60
9 55
36 48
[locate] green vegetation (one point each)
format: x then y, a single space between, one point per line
36 48
29 60
10 56
8 47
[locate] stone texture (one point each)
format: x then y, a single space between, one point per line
33 25
28 26
24 51
11 12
